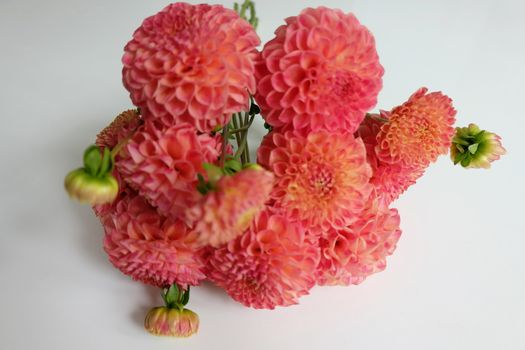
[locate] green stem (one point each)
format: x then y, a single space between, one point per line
225 138
240 151
376 117
234 131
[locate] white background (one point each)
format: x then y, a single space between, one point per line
456 280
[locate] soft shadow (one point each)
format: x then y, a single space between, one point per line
152 299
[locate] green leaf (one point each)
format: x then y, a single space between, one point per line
473 148
92 160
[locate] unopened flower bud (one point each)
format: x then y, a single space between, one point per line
475 148
86 188
173 322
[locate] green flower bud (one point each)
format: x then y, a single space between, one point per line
172 322
87 188
173 319
475 148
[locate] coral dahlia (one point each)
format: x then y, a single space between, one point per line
227 211
148 247
322 178
389 179
191 63
162 164
121 127
418 131
272 264
350 254
321 70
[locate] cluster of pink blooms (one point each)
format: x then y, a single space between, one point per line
315 210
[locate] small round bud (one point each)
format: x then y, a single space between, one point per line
174 322
86 188
475 148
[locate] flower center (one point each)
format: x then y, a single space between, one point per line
321 180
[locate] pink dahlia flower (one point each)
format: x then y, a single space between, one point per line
227 211
360 249
272 264
191 63
418 131
120 128
321 70
389 179
162 164
322 178
149 247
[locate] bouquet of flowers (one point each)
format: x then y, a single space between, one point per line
181 201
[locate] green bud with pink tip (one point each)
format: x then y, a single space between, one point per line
173 319
93 184
475 148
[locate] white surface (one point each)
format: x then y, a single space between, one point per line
456 280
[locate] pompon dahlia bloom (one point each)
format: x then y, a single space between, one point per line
120 128
418 131
390 180
322 178
148 247
272 264
227 211
350 254
162 164
191 63
321 70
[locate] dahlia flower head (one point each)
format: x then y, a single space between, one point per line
272 264
162 164
191 63
123 126
407 140
227 210
322 177
418 131
147 246
352 253
321 71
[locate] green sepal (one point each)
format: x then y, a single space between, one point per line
107 163
460 148
92 160
465 162
172 296
202 186
216 130
458 158
185 297
473 148
214 172
231 166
